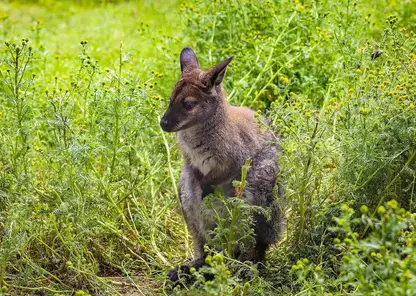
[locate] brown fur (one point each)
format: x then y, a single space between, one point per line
216 139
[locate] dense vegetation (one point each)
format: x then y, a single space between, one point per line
88 181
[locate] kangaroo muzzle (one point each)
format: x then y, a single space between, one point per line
168 123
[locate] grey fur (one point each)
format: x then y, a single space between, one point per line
216 139
261 180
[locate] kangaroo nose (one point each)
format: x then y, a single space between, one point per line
164 123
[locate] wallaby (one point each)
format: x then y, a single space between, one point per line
216 139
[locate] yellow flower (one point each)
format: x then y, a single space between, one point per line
284 79
392 204
411 106
381 210
300 7
364 209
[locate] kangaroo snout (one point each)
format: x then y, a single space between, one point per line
167 124
164 124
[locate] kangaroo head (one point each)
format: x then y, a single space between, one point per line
196 96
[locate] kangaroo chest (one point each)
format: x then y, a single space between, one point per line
200 157
199 153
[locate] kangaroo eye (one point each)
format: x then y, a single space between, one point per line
188 105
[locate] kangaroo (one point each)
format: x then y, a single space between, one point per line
216 139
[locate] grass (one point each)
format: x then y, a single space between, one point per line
86 187
88 194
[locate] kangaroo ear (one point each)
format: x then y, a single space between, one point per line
214 76
188 59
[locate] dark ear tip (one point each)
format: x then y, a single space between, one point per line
186 50
188 59
227 61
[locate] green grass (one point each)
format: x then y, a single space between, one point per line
88 194
86 189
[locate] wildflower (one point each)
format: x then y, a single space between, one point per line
300 7
364 209
392 204
298 265
347 241
208 260
318 268
284 79
219 258
346 259
381 210
411 106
